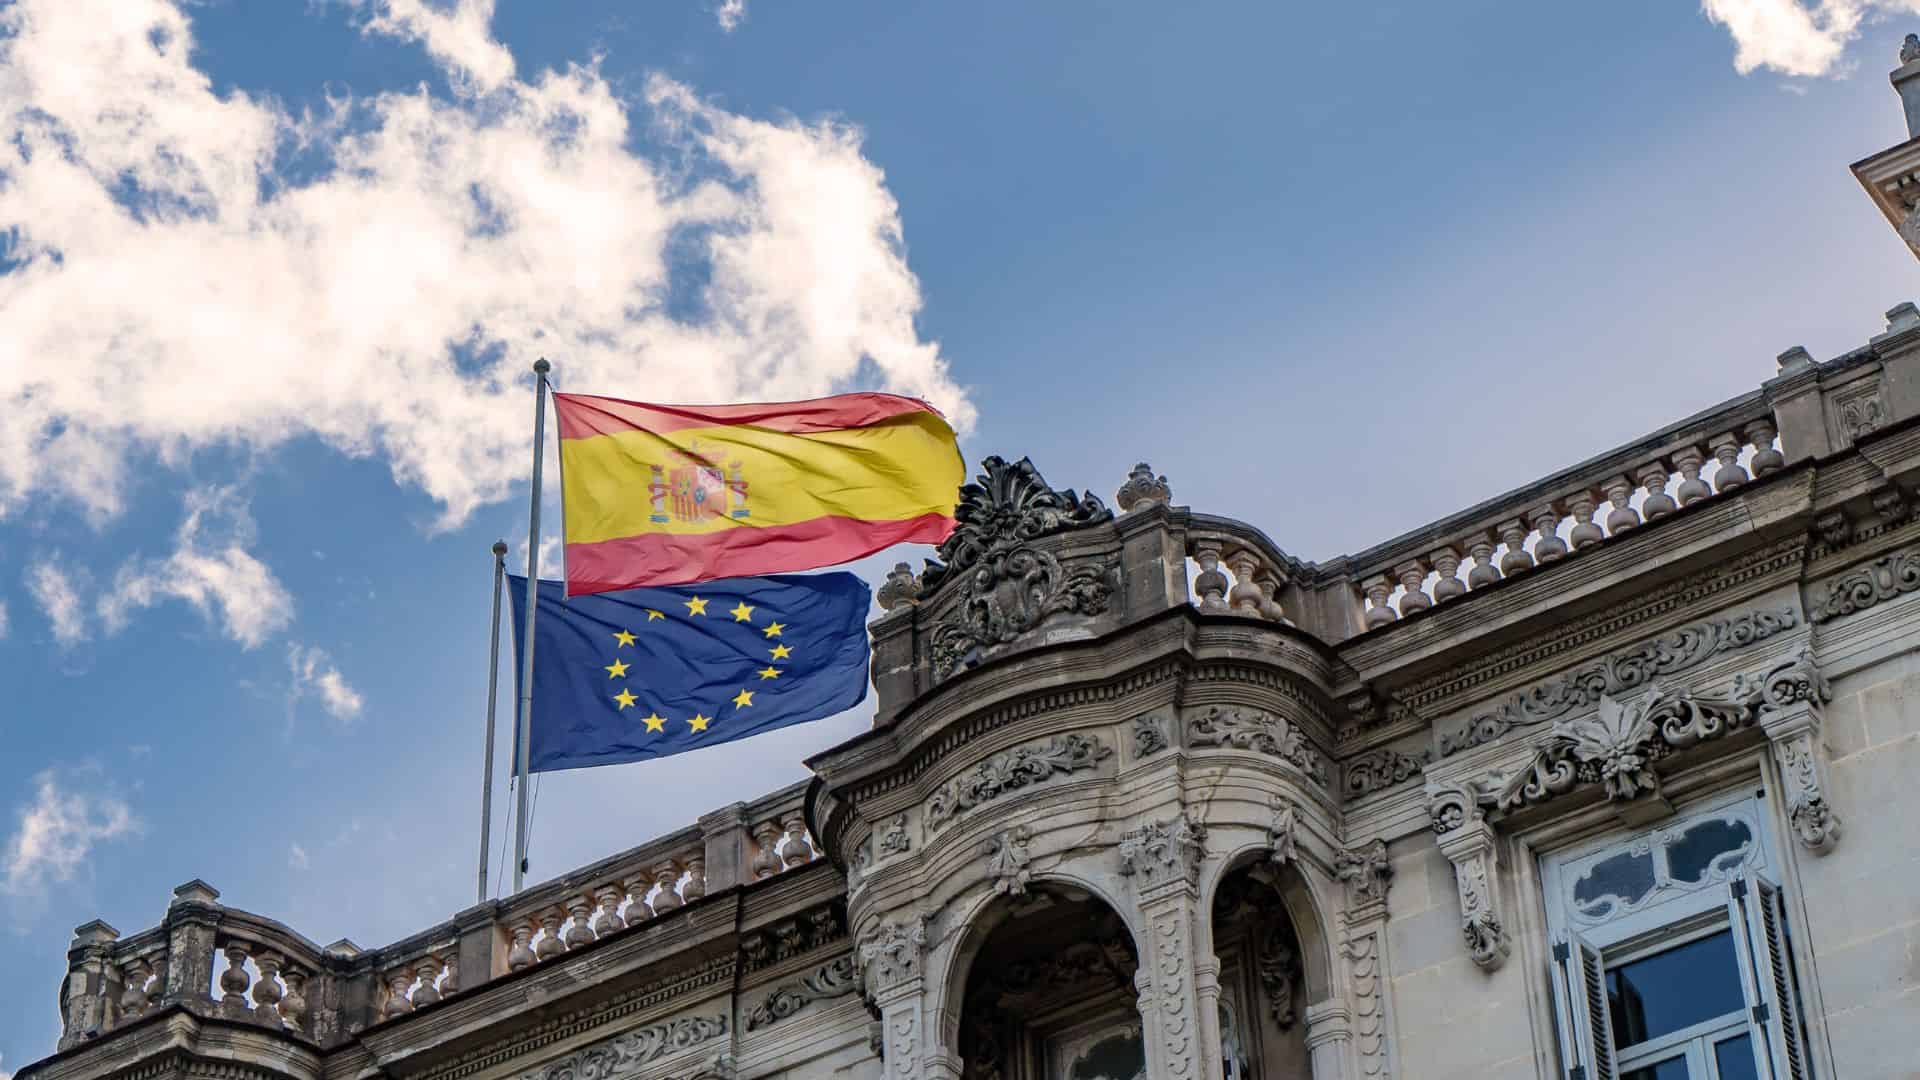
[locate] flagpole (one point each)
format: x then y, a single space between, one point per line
540 369
493 688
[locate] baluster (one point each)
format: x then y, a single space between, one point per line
133 999
1689 459
578 932
1244 599
1484 573
233 981
638 886
666 873
1619 492
293 1007
609 919
1653 477
266 988
550 945
1211 584
1726 451
398 980
696 886
799 848
1269 596
429 991
1446 563
1546 521
520 955
1516 560
1379 613
1765 458
1585 533
766 861
1413 576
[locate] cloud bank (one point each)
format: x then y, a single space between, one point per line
183 268
54 834
1794 37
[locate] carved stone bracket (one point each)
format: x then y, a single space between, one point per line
1011 770
1162 852
1794 733
1467 841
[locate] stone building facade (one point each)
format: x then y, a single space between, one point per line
1610 776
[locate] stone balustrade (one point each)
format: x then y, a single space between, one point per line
220 961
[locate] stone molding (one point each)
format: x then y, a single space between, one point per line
836 978
1865 586
1030 765
1669 654
625 1053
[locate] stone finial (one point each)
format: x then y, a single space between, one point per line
1143 489
1910 49
195 892
901 587
1795 360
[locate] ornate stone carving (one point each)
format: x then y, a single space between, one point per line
1164 851
1005 507
891 954
1169 937
791 937
1379 770
1149 735
1366 870
1011 770
896 840
1859 408
1669 654
1362 950
836 979
1007 859
1278 967
1281 834
1815 824
1467 842
901 587
627 1052
1250 729
1143 489
1835 529
1864 586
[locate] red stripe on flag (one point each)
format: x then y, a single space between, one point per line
632 562
584 415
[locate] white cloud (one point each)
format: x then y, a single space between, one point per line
1794 37
389 299
4 1074
210 568
313 674
731 14
54 590
297 858
55 833
3 632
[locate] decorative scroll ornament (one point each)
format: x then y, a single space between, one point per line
1164 851
1274 736
1005 507
1815 824
837 979
891 954
1467 842
1007 859
1012 593
896 841
1865 586
1366 871
1669 654
1011 770
1379 770
1281 842
1149 735
627 1052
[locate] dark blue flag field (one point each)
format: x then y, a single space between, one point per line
645 673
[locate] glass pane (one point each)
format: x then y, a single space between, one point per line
1674 1068
1721 845
1622 879
1734 1058
1674 989
1119 1057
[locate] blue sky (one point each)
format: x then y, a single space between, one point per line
272 274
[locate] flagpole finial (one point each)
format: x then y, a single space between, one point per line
541 367
500 549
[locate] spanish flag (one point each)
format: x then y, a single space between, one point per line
674 494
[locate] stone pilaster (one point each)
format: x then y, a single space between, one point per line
1363 940
1330 1038
1178 1013
893 963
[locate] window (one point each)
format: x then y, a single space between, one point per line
1671 955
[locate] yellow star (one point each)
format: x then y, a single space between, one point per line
655 722
698 723
781 652
625 697
617 669
769 672
743 699
696 606
624 638
742 613
652 615
773 629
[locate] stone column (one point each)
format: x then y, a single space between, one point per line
1330 1038
1179 996
85 996
1363 935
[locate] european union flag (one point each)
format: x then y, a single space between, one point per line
644 673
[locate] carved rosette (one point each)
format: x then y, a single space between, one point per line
1162 852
